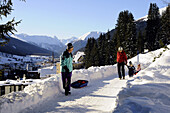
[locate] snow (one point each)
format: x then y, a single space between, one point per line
14 47
18 38
148 91
51 88
46 42
47 71
8 60
93 34
145 18
42 41
78 55
66 41
5 60
14 82
2 41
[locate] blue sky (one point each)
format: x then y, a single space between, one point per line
68 18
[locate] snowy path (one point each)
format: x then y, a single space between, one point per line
99 97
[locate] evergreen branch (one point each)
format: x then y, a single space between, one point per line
7 28
5 8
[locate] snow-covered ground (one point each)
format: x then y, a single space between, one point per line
148 91
17 59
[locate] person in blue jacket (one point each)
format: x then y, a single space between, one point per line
66 61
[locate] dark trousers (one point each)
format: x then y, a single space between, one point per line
66 78
131 73
121 70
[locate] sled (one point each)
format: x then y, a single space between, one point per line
79 84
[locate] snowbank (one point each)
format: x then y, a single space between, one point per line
149 91
39 92
32 94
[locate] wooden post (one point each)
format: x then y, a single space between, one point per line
58 67
7 89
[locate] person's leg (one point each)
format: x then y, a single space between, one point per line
123 70
63 74
69 80
129 73
118 67
68 83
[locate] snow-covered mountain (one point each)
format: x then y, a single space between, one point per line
145 18
21 47
66 41
88 35
46 42
82 40
55 44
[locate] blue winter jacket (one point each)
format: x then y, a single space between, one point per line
66 61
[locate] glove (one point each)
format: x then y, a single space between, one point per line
66 69
125 62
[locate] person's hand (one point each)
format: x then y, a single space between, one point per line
125 62
66 69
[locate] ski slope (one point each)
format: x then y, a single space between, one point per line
148 91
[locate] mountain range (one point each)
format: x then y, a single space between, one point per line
19 47
57 45
66 41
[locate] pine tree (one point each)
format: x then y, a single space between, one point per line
101 47
99 44
87 53
113 47
140 42
163 36
121 28
126 33
130 38
108 48
153 24
95 54
9 27
90 53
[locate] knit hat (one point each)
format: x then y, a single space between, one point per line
130 62
120 49
69 46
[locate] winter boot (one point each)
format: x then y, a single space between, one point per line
66 92
69 93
